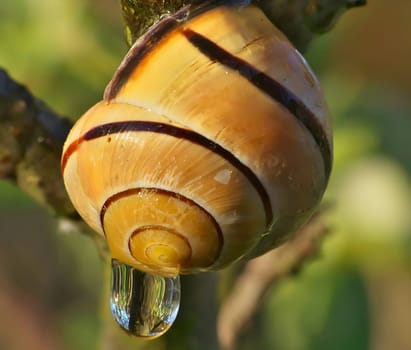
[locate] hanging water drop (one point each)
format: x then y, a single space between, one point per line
143 304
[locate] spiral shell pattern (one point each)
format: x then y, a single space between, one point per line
212 142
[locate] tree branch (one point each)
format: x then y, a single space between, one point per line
31 138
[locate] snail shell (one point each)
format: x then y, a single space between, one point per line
212 143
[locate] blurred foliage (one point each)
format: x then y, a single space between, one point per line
66 52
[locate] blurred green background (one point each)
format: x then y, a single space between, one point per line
356 295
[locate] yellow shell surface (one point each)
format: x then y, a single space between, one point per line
191 159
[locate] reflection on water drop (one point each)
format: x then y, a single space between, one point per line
143 304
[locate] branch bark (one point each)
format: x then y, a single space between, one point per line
31 138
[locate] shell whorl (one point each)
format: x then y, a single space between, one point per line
212 142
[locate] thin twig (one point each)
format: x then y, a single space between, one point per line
260 274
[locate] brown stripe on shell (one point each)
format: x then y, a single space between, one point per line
68 152
137 52
178 196
189 135
269 86
146 43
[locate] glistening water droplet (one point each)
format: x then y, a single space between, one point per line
143 304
